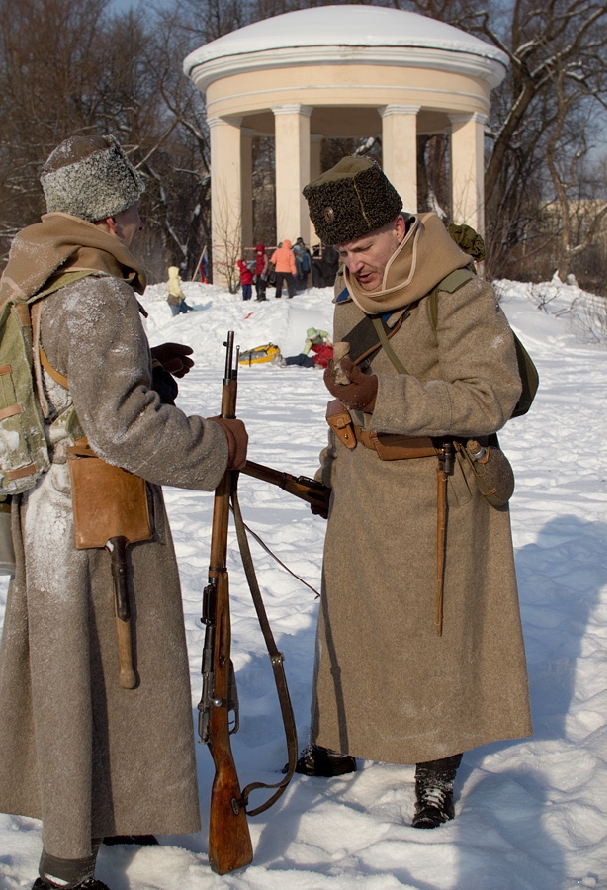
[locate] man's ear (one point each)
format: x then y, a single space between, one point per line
108 225
400 227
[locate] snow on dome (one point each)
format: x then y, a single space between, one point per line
354 26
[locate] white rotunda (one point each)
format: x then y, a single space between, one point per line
342 71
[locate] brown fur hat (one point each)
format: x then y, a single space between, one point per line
90 177
351 199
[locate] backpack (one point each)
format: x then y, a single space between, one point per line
24 454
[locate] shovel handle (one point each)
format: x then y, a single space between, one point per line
117 547
128 680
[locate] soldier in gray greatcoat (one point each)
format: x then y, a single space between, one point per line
391 681
90 758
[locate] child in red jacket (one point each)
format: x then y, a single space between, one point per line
246 279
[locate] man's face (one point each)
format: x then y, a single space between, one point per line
367 257
128 224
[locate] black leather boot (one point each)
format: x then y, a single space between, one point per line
434 791
317 761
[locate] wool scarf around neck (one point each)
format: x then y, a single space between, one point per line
61 242
425 256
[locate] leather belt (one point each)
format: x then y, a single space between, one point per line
391 446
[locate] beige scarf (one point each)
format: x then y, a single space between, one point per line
64 242
425 256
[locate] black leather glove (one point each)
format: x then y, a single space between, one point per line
174 358
164 385
360 393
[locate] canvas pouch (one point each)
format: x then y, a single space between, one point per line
492 471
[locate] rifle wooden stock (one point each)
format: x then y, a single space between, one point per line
308 489
229 839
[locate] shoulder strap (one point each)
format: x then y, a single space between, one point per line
386 344
450 284
53 284
58 280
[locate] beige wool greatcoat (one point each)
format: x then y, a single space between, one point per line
386 686
90 758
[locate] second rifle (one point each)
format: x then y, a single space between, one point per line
229 839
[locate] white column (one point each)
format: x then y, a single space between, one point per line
468 169
246 188
399 151
315 171
292 128
226 200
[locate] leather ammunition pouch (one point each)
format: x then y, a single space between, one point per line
391 446
387 446
107 501
339 419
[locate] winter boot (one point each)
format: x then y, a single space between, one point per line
434 791
316 761
136 840
89 884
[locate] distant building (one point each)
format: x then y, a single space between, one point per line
337 71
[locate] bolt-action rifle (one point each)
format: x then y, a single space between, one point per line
309 490
229 838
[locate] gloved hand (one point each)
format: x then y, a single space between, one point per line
238 440
360 393
174 358
164 384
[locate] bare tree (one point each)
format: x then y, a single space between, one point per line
579 219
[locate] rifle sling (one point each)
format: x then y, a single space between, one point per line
277 661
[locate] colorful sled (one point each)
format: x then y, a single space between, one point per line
259 354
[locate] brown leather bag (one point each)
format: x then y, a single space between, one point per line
107 501
110 509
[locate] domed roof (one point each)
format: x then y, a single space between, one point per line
343 26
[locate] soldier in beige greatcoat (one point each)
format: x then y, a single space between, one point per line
391 682
90 758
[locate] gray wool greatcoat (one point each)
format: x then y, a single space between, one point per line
88 757
386 686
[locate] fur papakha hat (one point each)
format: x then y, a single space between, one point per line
90 177
351 199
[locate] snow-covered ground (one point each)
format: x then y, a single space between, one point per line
531 815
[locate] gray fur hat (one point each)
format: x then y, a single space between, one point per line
90 177
351 199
